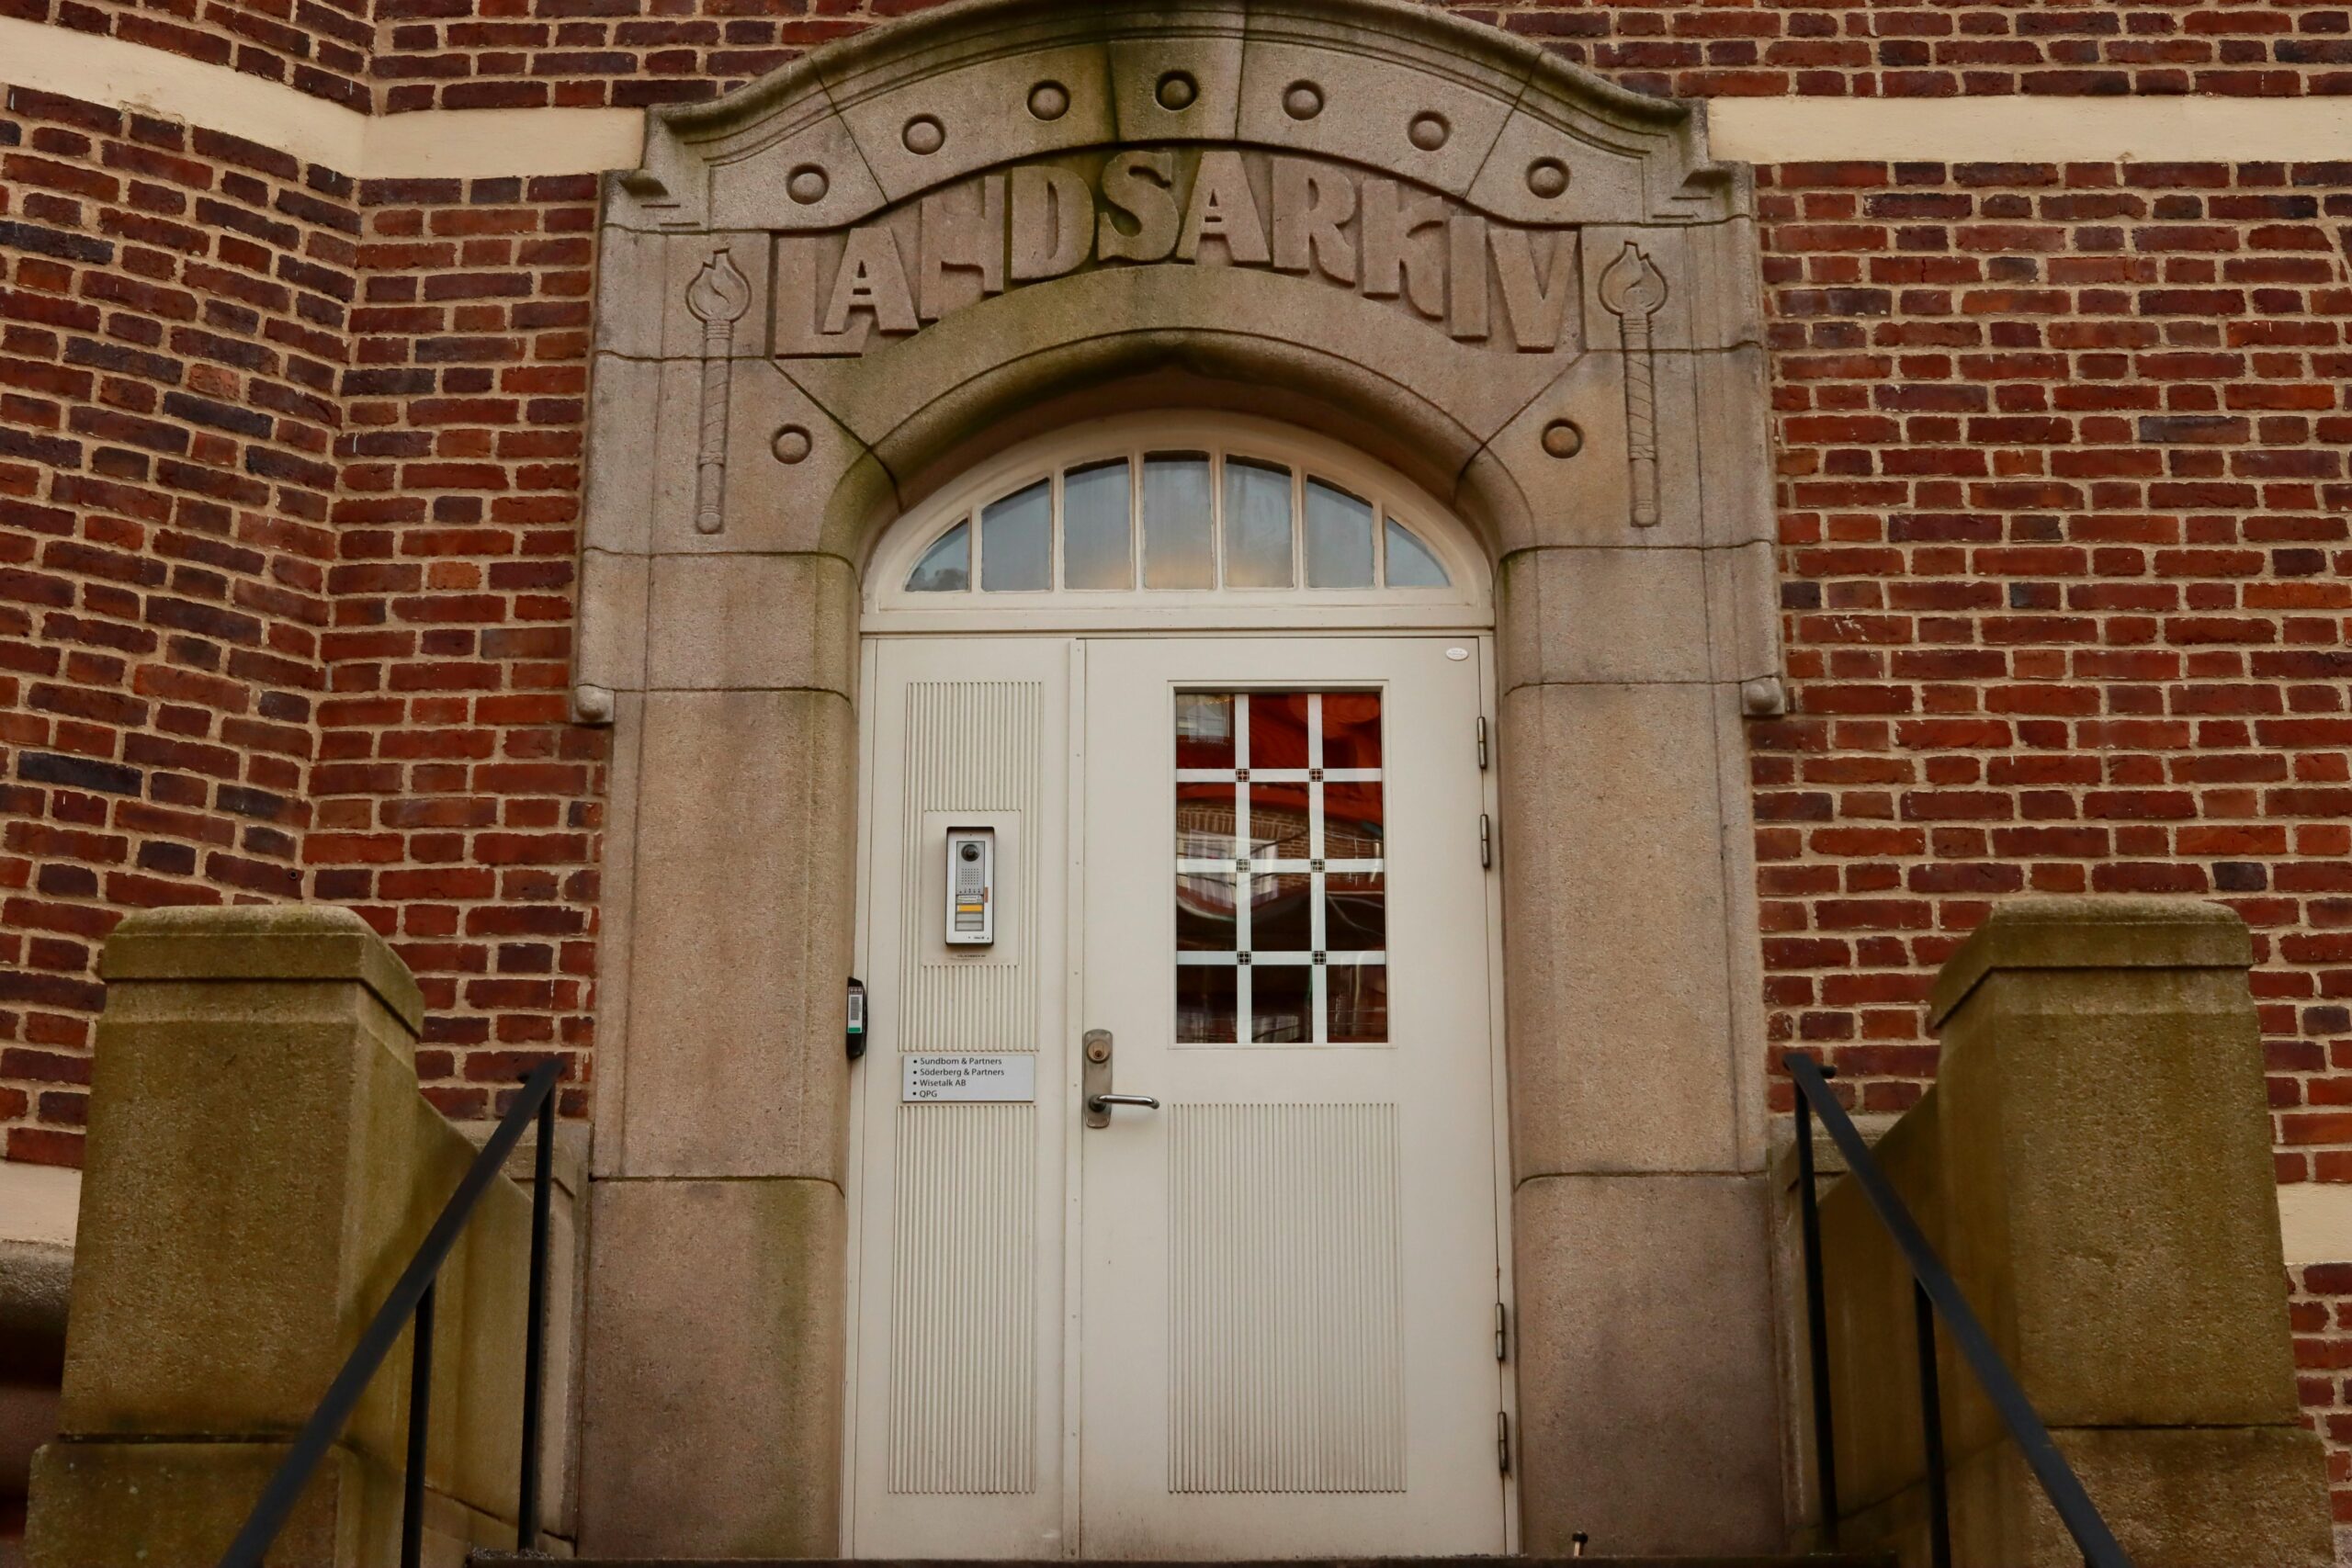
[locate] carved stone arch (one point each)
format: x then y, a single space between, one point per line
1528 289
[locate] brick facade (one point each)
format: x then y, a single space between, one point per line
457 807
438 53
289 471
2064 508
2321 1314
413 54
323 48
173 338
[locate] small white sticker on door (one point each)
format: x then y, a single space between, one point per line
967 1078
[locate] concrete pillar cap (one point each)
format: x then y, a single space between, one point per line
2092 932
261 941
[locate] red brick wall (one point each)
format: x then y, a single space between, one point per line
2063 506
319 47
2067 574
1943 49
171 314
448 53
412 54
2322 1313
285 585
456 805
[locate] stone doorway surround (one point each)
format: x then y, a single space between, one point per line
825 295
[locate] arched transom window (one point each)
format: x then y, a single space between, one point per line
1167 513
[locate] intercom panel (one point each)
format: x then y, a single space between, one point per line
971 886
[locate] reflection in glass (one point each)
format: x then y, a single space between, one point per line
1351 825
1355 912
1351 729
1357 998
1204 821
1278 729
1278 822
1083 538
1282 914
1204 729
946 567
1176 521
1283 928
1204 1004
1205 904
1257 525
1339 537
1410 562
1094 526
1017 540
1282 1000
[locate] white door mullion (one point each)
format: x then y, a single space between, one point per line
1245 843
1319 1029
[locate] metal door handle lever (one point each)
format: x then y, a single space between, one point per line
1096 1084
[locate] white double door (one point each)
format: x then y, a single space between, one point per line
1260 1318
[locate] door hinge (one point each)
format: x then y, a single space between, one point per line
1485 842
1502 1332
1502 1441
1482 743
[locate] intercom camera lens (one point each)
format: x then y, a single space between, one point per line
971 851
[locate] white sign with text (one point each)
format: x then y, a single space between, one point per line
999 1079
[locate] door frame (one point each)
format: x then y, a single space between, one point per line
862 1325
1617 481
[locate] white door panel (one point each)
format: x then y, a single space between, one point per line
957 1357
1288 1276
1259 1320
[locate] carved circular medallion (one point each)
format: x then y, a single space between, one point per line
1049 100
1547 177
1428 130
807 185
1562 438
924 135
791 444
1176 90
1302 100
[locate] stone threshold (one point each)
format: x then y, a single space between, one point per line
1821 1560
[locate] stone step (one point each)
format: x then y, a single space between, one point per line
1822 1560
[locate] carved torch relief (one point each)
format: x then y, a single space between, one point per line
1483 282
719 296
1632 289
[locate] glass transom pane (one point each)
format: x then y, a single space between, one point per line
946 567
1257 525
1017 541
1282 913
1095 551
1178 519
1412 564
1339 537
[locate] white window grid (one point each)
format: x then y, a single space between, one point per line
1248 864
1301 474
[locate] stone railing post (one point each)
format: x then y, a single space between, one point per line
2102 1143
259 1168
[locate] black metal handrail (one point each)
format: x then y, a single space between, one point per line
1933 1292
412 1296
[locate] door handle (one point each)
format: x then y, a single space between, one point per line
1097 1082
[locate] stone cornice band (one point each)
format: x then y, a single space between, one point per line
431 144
